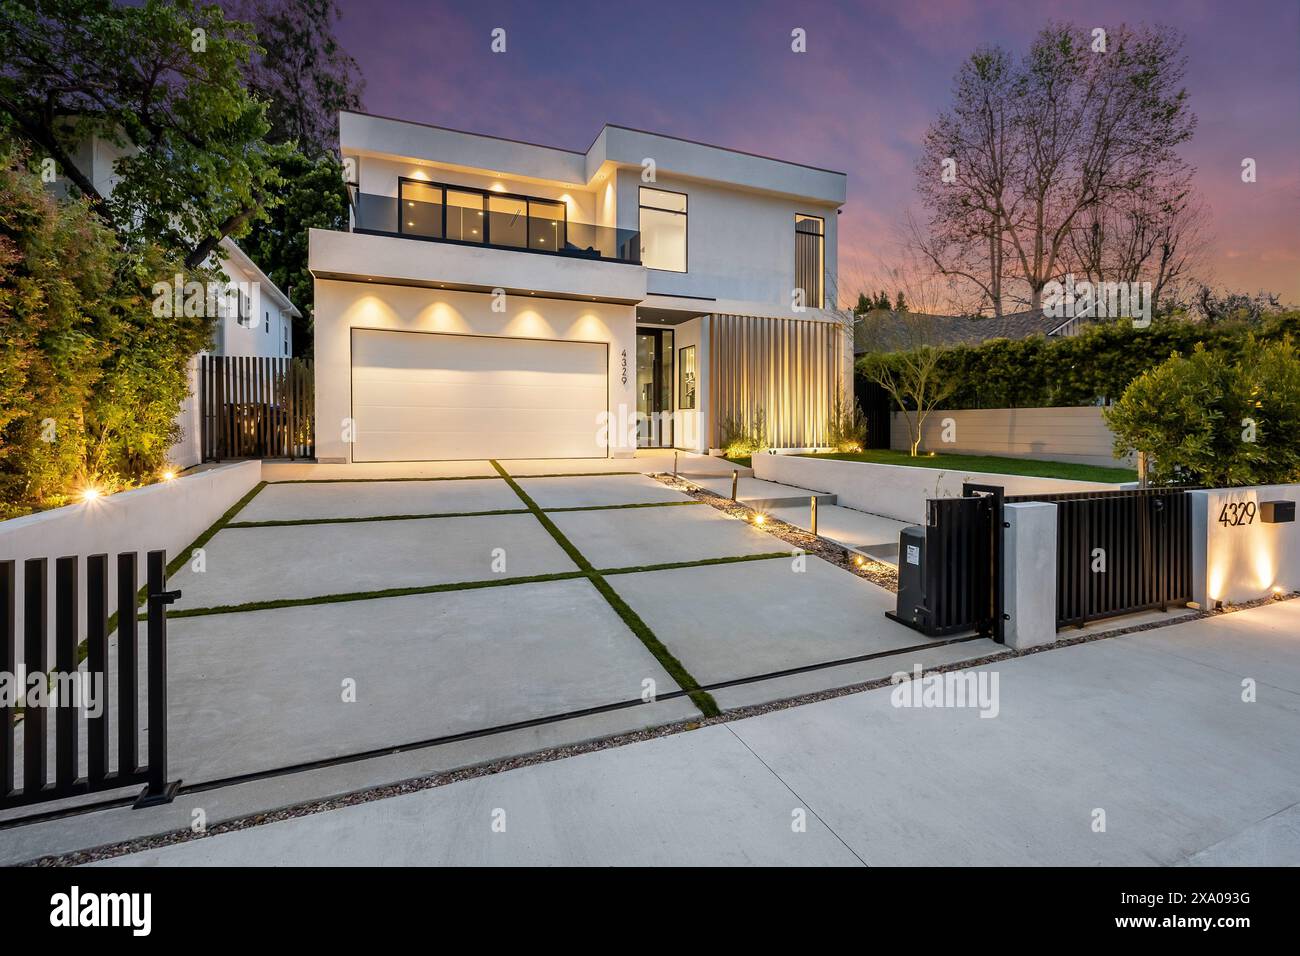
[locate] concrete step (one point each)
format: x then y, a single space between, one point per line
765 495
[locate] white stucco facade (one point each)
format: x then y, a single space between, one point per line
415 261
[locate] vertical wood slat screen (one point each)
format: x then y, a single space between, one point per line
786 368
256 407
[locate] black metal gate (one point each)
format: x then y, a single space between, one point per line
1119 552
60 683
256 407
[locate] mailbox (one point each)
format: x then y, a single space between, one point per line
1276 512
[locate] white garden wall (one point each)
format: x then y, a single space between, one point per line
168 515
896 491
1049 434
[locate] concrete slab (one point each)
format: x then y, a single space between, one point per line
596 491
849 527
643 805
267 794
300 561
372 499
1163 744
264 689
326 471
739 620
764 495
640 536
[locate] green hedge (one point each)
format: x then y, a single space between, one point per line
1097 364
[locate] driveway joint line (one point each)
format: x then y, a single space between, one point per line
802 802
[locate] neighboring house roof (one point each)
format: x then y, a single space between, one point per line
948 330
230 250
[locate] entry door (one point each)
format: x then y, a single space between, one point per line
654 388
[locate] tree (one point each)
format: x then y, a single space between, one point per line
301 71
900 302
316 198
864 304
90 383
163 83
904 357
1030 149
1213 419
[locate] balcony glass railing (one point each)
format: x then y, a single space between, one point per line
491 219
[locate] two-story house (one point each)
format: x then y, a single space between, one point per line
500 299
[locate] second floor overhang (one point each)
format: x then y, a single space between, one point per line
359 257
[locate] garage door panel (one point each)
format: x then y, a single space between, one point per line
423 395
419 396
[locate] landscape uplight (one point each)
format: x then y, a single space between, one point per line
90 493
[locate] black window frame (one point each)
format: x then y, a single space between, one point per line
681 386
487 218
684 213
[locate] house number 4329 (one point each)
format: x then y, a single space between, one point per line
1237 513
625 366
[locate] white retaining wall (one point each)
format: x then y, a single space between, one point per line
896 491
1050 434
168 515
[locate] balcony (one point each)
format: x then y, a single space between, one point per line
468 217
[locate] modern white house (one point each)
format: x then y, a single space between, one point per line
502 299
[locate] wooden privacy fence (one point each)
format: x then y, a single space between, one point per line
256 407
72 691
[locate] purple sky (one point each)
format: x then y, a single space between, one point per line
874 76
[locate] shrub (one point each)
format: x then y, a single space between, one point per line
1214 419
90 381
847 429
743 436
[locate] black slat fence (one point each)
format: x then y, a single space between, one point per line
68 686
256 407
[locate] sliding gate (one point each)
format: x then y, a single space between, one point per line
1117 552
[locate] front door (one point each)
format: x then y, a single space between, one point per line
654 388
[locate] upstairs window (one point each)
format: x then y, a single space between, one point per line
810 259
663 230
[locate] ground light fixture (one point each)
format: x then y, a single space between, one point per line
169 475
90 493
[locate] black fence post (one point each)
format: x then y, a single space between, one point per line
8 665
66 604
128 667
97 664
35 623
159 789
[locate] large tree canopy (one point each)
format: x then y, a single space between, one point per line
300 70
1064 160
164 82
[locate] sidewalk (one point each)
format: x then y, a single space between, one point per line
1150 728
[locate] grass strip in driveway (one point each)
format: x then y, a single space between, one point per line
276 603
353 481
638 504
287 522
676 670
700 562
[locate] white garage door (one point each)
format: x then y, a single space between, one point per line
429 396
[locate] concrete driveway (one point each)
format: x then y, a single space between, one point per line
335 618
1149 729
